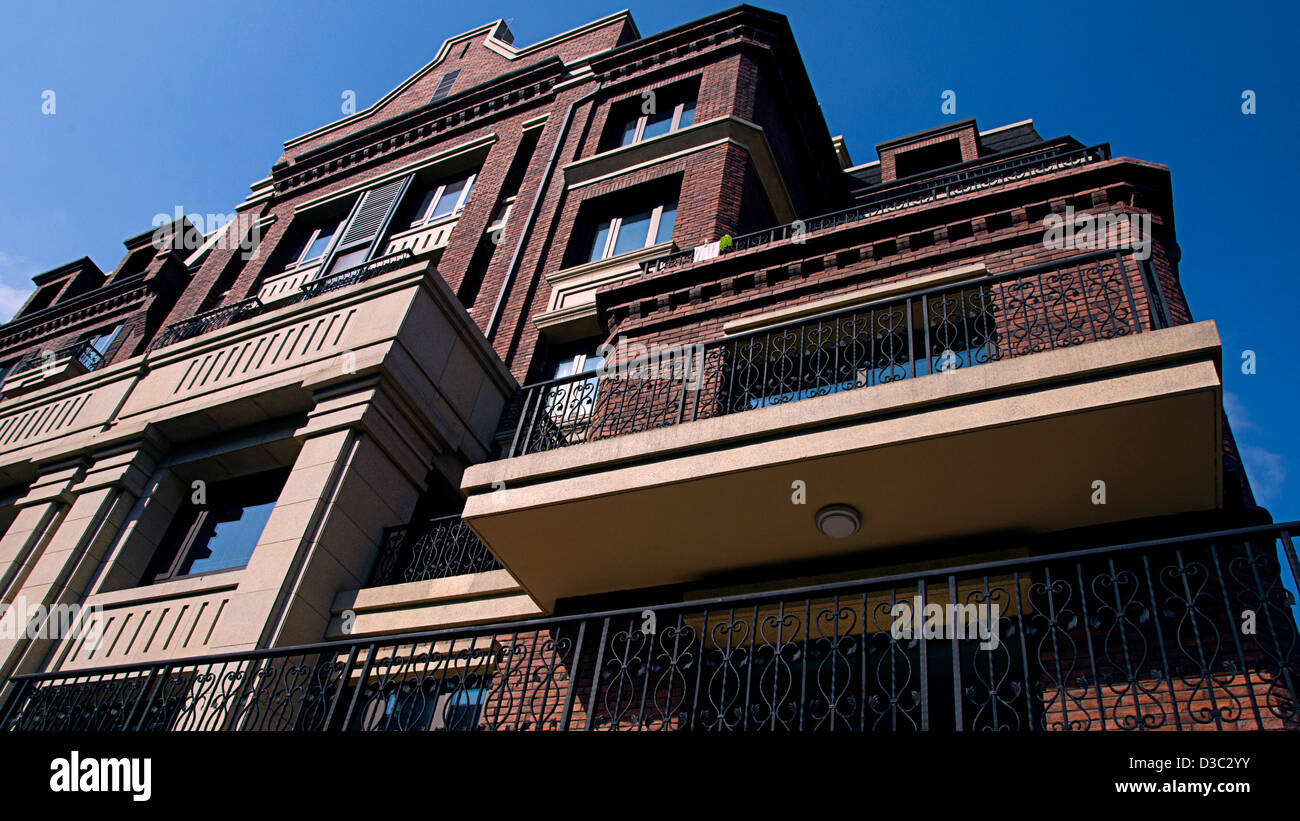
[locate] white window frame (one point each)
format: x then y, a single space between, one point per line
301 262
641 120
616 224
427 217
577 363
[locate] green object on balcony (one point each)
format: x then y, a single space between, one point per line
724 243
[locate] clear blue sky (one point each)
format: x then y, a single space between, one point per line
185 104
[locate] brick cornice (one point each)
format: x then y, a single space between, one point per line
97 303
429 124
789 263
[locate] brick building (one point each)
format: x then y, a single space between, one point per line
592 385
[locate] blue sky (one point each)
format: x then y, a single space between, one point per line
160 106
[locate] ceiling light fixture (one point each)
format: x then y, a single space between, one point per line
838 521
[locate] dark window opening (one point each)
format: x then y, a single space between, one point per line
444 85
929 158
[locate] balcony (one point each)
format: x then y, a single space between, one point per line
45 367
286 285
435 572
980 175
423 238
1137 636
283 291
437 549
364 392
931 413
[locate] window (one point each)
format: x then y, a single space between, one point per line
97 347
314 243
573 401
219 534
443 198
578 363
104 339
632 231
928 158
670 110
422 705
444 85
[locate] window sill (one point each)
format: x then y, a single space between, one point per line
571 312
683 143
638 256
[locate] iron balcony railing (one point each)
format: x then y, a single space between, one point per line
909 195
359 273
83 352
437 549
207 321
1083 299
1186 633
229 314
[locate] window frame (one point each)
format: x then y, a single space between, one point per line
616 225
301 261
427 218
638 132
183 545
106 337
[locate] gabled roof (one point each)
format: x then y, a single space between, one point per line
495 37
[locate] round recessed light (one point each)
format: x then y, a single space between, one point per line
838 521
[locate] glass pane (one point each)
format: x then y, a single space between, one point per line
450 196
658 123
101 342
226 539
688 114
422 207
459 710
629 132
351 259
666 220
632 233
321 244
592 363
598 242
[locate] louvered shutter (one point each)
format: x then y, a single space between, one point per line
371 213
444 85
370 217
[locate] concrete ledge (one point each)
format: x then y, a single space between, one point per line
1184 342
1011 447
474 598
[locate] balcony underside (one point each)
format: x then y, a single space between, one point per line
1011 447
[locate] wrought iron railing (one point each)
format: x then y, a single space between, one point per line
950 327
359 273
436 549
84 352
207 321
1187 633
909 195
229 314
